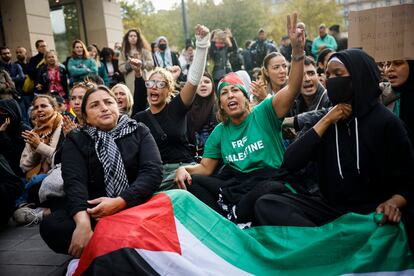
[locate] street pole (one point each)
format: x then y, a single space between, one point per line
185 22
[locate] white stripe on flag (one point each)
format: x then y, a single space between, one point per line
196 259
408 272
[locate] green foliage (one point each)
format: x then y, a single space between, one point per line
312 13
243 17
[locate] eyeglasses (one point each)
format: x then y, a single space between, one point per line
158 83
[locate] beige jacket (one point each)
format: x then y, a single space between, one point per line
31 158
148 65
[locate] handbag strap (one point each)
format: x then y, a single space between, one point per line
156 125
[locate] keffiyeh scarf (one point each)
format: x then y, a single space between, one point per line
115 177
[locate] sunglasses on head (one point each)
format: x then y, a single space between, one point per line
158 83
85 84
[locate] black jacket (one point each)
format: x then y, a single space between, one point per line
220 58
83 173
373 139
44 80
320 101
11 140
34 64
117 76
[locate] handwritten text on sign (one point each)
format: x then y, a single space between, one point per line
385 33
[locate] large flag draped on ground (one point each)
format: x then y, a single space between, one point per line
176 234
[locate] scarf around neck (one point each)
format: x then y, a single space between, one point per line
108 153
45 130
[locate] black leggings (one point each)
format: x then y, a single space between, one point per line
57 229
207 189
293 210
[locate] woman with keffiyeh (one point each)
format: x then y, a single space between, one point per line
110 164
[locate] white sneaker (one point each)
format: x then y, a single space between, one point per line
28 216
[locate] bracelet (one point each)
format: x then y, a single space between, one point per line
298 58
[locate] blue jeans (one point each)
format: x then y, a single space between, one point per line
35 180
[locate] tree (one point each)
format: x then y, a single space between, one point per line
312 13
243 17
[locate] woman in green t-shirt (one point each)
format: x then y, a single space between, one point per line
248 142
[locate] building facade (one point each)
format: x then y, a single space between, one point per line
59 22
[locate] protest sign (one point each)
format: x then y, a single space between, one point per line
384 33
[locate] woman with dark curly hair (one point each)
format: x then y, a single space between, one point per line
134 46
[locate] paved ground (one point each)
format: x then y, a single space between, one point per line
23 252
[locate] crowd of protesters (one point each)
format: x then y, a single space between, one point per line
110 127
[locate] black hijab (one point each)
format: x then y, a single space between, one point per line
11 107
407 100
365 77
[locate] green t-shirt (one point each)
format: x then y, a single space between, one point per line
254 144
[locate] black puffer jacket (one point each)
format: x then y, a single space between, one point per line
83 173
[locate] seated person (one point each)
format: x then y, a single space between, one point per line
11 128
201 119
38 157
364 154
124 97
166 117
249 142
110 164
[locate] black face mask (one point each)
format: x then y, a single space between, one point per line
340 89
162 47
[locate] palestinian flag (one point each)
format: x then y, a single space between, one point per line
175 234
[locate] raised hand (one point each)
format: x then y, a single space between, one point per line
31 138
258 89
201 30
175 71
296 35
68 125
4 126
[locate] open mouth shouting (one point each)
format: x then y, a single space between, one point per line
154 96
308 87
233 105
393 79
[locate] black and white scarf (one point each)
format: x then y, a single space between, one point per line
115 177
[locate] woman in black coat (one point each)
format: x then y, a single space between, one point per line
52 77
110 164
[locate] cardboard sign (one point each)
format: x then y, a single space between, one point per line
384 33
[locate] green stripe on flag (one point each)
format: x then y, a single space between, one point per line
351 244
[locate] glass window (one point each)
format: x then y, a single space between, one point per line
65 26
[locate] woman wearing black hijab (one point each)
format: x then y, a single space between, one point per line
400 74
365 158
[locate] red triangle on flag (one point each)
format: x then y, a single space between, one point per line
149 226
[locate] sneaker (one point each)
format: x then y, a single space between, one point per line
28 216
